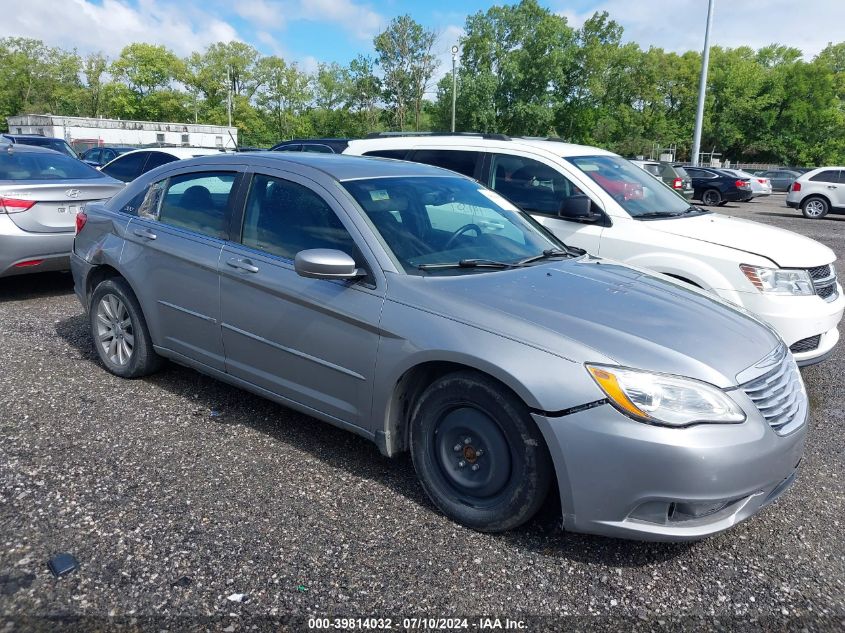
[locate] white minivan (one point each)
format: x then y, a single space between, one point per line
598 201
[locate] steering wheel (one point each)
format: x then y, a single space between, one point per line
461 231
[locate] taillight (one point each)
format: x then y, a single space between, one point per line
677 183
742 184
15 205
81 219
762 181
796 186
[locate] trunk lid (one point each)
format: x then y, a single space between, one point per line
57 202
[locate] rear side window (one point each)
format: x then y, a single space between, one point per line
828 175
197 202
318 149
679 171
654 170
126 167
35 165
283 218
460 161
398 154
289 148
157 159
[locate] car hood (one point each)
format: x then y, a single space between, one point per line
785 248
593 310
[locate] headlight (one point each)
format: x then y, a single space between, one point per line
663 399
778 281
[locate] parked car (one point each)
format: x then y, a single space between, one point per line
57 144
99 156
716 187
760 186
674 176
319 146
423 311
786 279
781 179
818 192
129 165
41 191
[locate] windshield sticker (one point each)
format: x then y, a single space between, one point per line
379 194
497 199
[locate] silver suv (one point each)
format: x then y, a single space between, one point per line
423 311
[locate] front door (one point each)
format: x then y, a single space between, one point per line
172 249
313 341
542 190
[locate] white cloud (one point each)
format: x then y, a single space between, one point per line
358 19
678 25
113 24
261 13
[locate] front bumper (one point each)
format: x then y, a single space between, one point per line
622 478
17 246
799 318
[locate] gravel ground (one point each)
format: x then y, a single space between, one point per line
191 503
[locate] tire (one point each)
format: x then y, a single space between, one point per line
119 331
711 197
815 208
478 454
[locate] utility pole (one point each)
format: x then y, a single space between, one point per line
702 86
454 83
229 94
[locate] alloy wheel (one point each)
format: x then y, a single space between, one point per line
115 332
814 208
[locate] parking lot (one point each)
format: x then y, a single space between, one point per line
184 499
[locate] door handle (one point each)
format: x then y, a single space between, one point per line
145 233
242 264
831 186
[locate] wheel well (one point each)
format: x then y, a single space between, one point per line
97 276
407 392
815 195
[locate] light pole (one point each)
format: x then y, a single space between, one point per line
702 86
454 83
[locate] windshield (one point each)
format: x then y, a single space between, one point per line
34 165
432 221
638 193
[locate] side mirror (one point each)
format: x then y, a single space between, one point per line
580 208
326 263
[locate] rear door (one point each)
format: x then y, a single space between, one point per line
173 248
127 167
463 162
830 183
312 341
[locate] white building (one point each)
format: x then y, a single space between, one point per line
84 132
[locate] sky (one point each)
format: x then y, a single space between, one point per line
312 31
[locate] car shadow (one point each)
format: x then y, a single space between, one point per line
34 286
340 449
797 216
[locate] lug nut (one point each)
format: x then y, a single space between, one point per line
457 448
467 440
475 466
479 452
461 464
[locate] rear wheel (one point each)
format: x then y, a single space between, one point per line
478 453
815 208
711 197
120 332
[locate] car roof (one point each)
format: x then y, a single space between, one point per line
30 149
178 152
558 148
818 170
340 167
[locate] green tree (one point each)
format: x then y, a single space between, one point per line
404 51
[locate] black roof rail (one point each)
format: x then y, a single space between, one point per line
487 135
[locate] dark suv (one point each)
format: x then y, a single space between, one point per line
57 144
714 187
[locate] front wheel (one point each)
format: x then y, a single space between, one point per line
119 331
711 198
815 208
478 453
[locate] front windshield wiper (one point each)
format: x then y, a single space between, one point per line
550 253
671 214
467 263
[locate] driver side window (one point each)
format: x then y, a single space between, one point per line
531 185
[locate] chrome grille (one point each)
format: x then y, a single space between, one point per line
824 281
819 272
779 395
